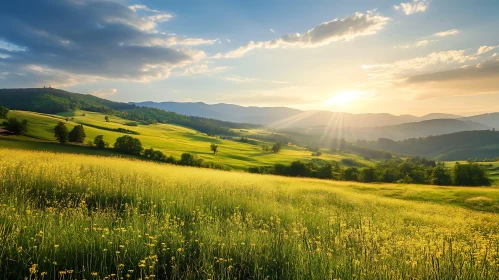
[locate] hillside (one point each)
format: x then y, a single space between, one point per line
53 101
282 117
455 146
93 217
394 132
491 120
168 138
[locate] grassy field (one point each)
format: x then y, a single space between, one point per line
76 216
170 139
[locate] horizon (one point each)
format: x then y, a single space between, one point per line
422 56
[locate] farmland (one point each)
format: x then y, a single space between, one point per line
136 219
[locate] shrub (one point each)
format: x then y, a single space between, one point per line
18 127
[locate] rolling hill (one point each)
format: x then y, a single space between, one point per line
171 139
53 101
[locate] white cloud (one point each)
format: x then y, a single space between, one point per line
410 8
228 41
447 33
272 30
345 29
486 49
421 43
102 93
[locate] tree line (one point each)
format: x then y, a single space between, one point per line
414 170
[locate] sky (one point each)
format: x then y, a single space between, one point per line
359 56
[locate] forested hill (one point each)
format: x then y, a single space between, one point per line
455 146
53 101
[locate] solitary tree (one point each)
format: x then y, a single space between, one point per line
61 132
3 112
77 135
107 118
18 127
128 145
277 147
214 148
99 142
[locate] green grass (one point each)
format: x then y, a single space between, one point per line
77 216
170 139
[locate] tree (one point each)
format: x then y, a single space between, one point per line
440 176
368 175
265 148
469 175
99 142
277 147
187 159
128 145
350 174
3 112
77 135
214 148
106 118
18 127
61 133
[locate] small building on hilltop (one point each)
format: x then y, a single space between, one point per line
4 132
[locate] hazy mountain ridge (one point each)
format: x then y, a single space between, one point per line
283 117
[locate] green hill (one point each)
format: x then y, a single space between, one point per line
54 101
168 138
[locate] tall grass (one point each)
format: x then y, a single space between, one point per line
74 216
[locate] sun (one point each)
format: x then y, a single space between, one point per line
342 98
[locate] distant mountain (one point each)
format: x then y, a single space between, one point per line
282 117
396 132
437 116
455 146
491 120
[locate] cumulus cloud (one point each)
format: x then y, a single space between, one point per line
344 29
410 8
67 42
103 93
272 30
447 33
486 49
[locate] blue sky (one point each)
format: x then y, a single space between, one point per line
400 57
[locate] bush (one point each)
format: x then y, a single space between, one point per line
3 112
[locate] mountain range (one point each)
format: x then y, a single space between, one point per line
283 117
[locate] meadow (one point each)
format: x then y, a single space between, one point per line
169 139
66 216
